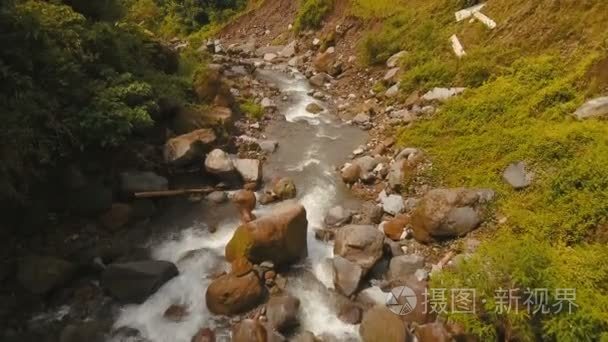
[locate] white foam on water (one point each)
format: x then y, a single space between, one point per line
325 136
304 164
317 313
187 289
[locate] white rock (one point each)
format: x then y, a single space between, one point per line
442 94
269 57
392 91
457 46
249 169
393 61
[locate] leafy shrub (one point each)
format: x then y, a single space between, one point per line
252 110
311 13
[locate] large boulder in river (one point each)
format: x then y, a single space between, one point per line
282 312
249 169
190 147
404 266
380 324
596 108
350 173
362 245
232 294
338 216
279 237
448 213
41 274
347 275
134 282
220 164
132 182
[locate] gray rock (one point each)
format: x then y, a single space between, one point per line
371 214
366 163
347 275
190 147
396 175
289 50
220 164
131 182
249 169
391 75
338 216
282 312
404 115
269 146
361 119
392 91
260 52
269 57
445 213
296 61
407 153
217 197
517 176
442 94
350 173
404 266
40 274
362 245
314 108
391 204
268 103
393 61
134 282
319 79
596 108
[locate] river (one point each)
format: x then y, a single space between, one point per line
311 147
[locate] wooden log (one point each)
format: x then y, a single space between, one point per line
172 193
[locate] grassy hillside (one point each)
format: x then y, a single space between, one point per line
525 78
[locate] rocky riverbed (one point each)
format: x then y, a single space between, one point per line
299 230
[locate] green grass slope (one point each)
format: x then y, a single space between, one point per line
525 78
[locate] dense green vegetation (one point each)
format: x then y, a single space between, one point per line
80 75
311 13
525 79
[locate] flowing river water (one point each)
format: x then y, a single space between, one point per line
311 147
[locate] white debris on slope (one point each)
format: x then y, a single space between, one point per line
468 12
485 20
457 46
